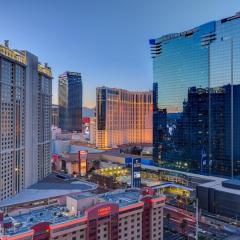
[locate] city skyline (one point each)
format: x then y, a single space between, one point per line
119 120
111 38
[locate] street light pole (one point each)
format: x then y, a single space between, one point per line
232 109
196 237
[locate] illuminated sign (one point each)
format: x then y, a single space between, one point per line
82 157
104 211
137 175
136 172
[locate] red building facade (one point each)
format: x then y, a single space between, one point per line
120 218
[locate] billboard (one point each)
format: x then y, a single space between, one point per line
82 160
136 172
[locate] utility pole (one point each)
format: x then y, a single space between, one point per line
232 153
196 237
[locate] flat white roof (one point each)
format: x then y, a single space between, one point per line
210 178
31 195
76 148
42 191
218 186
214 182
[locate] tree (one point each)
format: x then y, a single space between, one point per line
183 225
185 200
179 200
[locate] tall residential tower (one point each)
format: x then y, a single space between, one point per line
123 117
25 120
70 101
197 98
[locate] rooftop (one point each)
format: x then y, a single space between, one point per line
122 197
188 174
110 171
47 189
231 183
24 222
45 70
209 28
12 54
117 153
20 56
82 196
221 187
117 90
59 214
76 148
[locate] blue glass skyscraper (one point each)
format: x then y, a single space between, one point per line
196 119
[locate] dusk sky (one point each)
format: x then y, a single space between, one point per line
105 40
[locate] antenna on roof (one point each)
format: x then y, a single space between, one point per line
6 43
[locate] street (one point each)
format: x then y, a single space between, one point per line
184 222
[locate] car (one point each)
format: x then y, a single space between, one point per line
235 223
201 230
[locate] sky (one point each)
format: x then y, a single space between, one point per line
107 41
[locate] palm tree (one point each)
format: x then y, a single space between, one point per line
185 199
178 200
183 225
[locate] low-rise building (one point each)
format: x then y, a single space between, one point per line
109 177
123 214
220 197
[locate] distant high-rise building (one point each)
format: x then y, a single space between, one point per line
55 115
25 120
196 91
123 117
92 131
70 101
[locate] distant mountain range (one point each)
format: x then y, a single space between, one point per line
88 112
